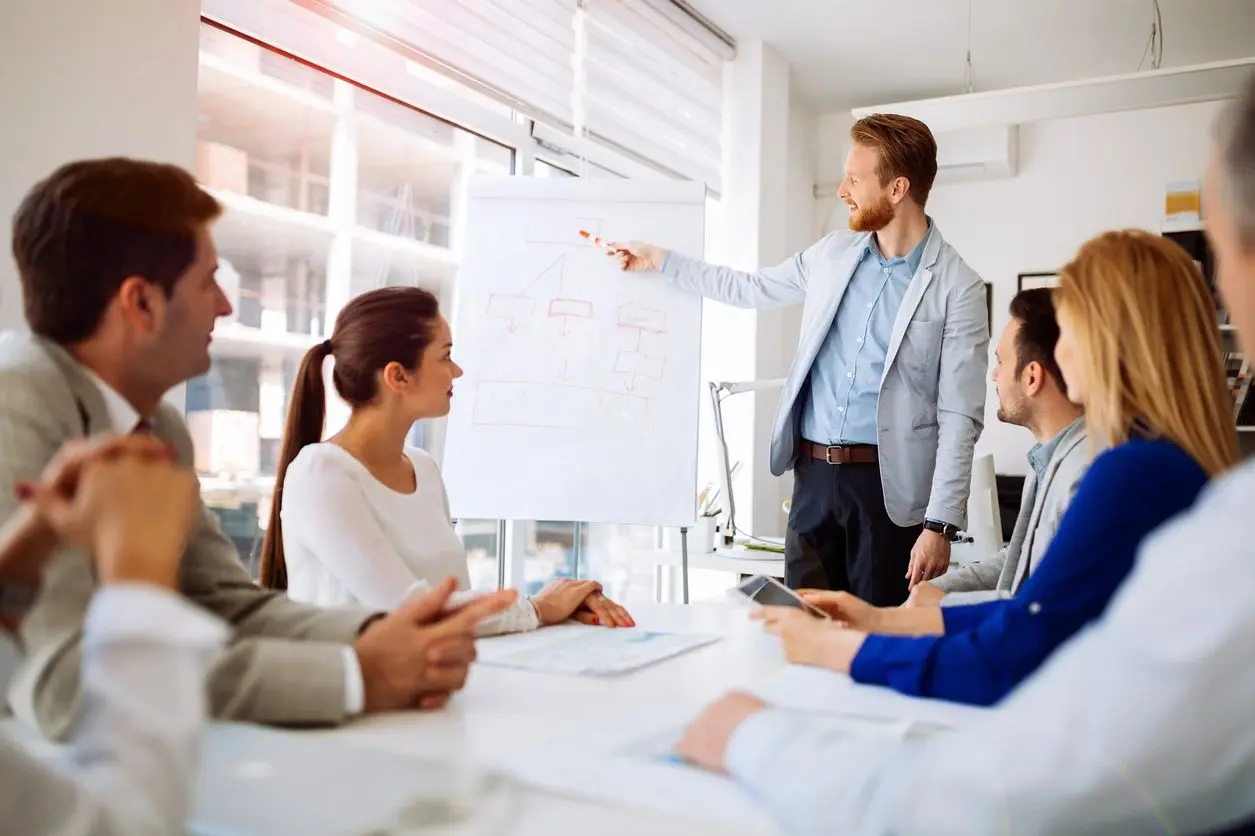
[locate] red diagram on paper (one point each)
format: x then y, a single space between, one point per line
563 404
635 363
514 308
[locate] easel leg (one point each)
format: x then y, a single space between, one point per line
684 562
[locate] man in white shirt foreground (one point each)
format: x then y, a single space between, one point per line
126 503
1140 725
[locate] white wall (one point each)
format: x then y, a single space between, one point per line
1077 177
85 78
767 215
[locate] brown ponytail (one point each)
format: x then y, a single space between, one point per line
306 416
387 325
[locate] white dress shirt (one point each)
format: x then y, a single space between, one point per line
124 419
146 652
1141 724
348 539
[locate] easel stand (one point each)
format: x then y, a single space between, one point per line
684 561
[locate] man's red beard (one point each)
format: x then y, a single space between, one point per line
872 218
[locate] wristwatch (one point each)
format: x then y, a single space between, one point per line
947 530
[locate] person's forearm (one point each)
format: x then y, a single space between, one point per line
137 747
909 621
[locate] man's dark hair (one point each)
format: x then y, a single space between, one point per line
1039 331
90 225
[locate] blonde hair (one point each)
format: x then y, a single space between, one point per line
1145 328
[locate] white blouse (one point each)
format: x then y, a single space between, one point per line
348 539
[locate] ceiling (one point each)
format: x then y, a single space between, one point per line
848 53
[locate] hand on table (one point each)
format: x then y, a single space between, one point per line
930 558
705 741
845 609
597 609
421 653
635 256
811 641
561 598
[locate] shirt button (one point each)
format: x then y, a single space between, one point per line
871 304
860 340
849 374
1034 608
886 271
841 409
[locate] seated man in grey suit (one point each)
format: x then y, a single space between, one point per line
1031 395
118 282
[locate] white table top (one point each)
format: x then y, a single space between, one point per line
504 711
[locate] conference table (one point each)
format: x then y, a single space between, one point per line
512 725
505 714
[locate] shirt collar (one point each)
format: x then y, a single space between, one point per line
911 259
1039 457
123 418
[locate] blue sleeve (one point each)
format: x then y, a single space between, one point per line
1127 493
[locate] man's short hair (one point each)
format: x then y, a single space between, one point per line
1034 310
907 149
82 231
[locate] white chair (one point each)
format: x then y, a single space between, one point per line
984 517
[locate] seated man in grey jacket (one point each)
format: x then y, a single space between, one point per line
1030 394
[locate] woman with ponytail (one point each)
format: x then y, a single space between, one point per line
361 518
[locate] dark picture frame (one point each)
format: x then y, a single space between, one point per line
989 304
1027 281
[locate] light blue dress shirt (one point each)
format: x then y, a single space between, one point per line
844 382
1040 455
1141 724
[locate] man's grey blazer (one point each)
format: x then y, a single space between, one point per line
1041 509
287 662
932 393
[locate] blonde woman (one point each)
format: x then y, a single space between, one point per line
1139 348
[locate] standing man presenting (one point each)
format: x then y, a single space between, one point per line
885 398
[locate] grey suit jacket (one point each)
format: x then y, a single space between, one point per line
286 663
932 393
1041 509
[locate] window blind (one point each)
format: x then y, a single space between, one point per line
652 88
638 79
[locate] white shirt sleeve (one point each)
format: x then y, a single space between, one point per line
145 656
1139 725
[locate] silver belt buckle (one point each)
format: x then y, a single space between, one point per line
828 452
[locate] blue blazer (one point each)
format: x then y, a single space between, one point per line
987 649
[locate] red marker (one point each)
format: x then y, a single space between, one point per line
597 240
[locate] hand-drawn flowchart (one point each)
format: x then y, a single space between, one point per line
604 384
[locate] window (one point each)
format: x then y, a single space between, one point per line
330 190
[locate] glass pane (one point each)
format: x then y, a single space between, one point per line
548 553
329 191
611 555
480 538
